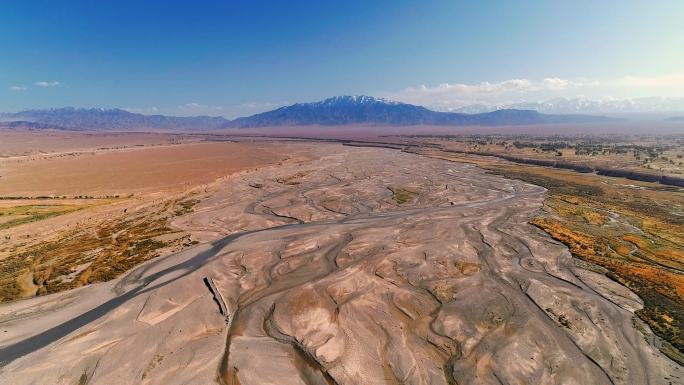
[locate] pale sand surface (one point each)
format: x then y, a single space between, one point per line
329 280
18 142
151 198
134 170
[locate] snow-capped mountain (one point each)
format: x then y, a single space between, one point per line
341 110
338 110
588 106
351 100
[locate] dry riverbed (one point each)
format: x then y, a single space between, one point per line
357 266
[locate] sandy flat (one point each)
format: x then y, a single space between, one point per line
17 142
130 171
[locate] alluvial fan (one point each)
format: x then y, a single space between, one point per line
367 266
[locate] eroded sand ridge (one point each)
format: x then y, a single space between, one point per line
367 266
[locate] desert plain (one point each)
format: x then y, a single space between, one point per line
191 259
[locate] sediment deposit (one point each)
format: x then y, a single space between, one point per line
366 266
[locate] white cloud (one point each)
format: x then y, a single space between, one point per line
450 96
17 88
47 84
555 83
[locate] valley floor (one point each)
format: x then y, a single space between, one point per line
347 266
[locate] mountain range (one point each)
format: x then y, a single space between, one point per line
340 110
111 119
586 106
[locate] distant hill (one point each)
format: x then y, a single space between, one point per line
675 119
15 124
587 106
111 119
343 110
340 110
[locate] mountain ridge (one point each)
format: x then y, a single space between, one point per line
585 106
334 111
111 118
341 110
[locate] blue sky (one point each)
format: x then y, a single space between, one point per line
236 58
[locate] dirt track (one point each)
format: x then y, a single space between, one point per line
349 287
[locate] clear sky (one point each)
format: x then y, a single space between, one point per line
236 58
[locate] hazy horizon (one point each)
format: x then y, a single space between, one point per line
635 110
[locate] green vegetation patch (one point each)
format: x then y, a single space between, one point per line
186 207
31 213
111 249
402 195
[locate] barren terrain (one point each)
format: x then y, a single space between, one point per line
19 142
631 228
72 219
355 265
129 170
